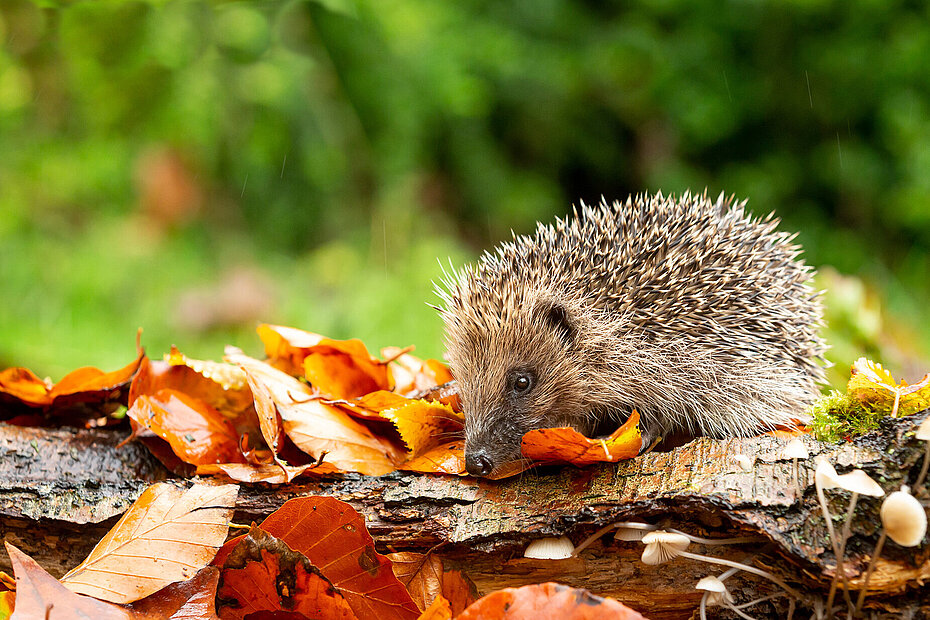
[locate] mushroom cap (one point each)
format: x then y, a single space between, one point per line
904 518
795 449
711 584
923 431
825 476
549 548
857 481
662 546
629 534
744 462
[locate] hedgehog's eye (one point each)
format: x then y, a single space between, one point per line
522 383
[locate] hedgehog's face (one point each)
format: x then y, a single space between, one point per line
515 377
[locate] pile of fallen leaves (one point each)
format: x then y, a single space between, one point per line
315 406
312 558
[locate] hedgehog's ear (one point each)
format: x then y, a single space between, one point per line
556 315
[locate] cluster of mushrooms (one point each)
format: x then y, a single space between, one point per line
903 520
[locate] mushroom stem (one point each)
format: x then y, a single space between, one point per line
828 518
744 567
632 525
923 470
868 573
840 573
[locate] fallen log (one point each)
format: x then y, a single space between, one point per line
62 489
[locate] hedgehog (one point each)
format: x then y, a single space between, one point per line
689 310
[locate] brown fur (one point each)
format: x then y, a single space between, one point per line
686 309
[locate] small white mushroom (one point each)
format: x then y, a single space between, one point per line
795 450
662 546
628 527
550 548
715 593
745 463
905 522
923 434
856 482
825 477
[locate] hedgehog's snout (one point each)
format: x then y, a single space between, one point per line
478 462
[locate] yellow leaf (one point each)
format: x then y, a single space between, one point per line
869 383
167 535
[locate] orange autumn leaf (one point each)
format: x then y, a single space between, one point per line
39 595
566 445
315 427
167 535
338 368
547 601
411 374
262 573
439 610
218 389
332 535
448 458
197 433
82 386
7 600
426 581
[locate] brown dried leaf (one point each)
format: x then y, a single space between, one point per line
167 535
425 579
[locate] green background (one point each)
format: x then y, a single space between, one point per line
196 168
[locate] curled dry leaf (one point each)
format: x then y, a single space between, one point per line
338 368
314 426
167 535
547 601
269 473
425 579
566 445
262 573
411 374
261 377
871 384
84 386
39 595
333 537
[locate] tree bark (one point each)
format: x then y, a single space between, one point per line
62 489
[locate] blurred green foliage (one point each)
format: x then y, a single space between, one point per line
334 149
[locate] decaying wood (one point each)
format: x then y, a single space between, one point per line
61 490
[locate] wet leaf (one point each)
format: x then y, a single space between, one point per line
566 445
318 428
332 535
261 377
262 573
39 595
167 535
196 432
872 385
425 580
547 601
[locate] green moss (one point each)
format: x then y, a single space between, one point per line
835 417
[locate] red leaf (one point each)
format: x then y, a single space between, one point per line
264 574
334 538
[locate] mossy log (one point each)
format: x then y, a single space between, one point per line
62 489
